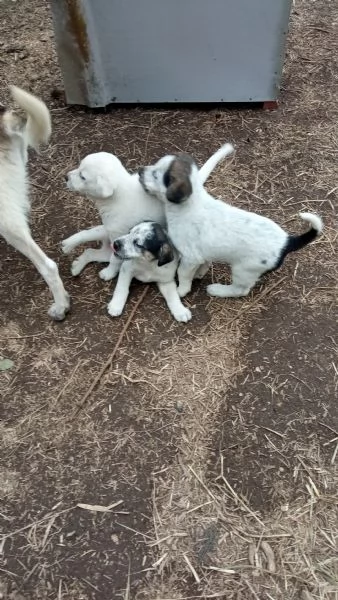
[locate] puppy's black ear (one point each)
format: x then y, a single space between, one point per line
179 191
165 254
177 179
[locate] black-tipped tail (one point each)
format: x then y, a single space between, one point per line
296 242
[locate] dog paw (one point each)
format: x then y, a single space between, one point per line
66 247
76 267
108 273
183 315
114 310
58 312
217 289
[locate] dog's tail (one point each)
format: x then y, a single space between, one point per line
213 161
296 242
38 128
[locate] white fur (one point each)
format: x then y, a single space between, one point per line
205 229
122 203
15 138
140 264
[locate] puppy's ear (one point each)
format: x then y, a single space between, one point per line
179 191
105 186
177 179
165 254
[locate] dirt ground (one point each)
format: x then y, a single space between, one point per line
214 444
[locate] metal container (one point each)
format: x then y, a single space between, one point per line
155 51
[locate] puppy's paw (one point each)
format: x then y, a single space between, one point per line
183 315
108 273
58 312
183 290
77 267
114 309
217 289
66 246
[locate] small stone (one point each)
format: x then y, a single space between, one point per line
179 406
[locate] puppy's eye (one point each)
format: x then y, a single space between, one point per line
82 177
137 245
155 175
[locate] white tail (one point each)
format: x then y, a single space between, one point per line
39 127
313 219
213 161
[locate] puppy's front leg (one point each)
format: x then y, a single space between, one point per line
119 299
185 272
177 309
202 270
112 270
95 234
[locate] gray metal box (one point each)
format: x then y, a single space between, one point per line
154 51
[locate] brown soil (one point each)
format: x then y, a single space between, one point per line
246 391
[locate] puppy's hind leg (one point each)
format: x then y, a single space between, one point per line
243 280
178 310
113 268
47 269
95 234
90 255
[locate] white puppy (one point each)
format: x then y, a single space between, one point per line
149 256
205 229
16 135
121 202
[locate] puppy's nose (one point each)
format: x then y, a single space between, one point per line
66 177
116 245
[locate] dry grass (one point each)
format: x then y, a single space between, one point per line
207 539
233 550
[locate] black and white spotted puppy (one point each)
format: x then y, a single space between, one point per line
149 256
204 228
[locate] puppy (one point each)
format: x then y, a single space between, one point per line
122 203
148 255
16 135
205 229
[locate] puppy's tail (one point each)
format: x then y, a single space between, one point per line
296 242
38 128
213 161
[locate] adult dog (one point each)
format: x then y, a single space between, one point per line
16 135
122 203
205 229
148 255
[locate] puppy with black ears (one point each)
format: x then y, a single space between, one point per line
203 228
148 255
